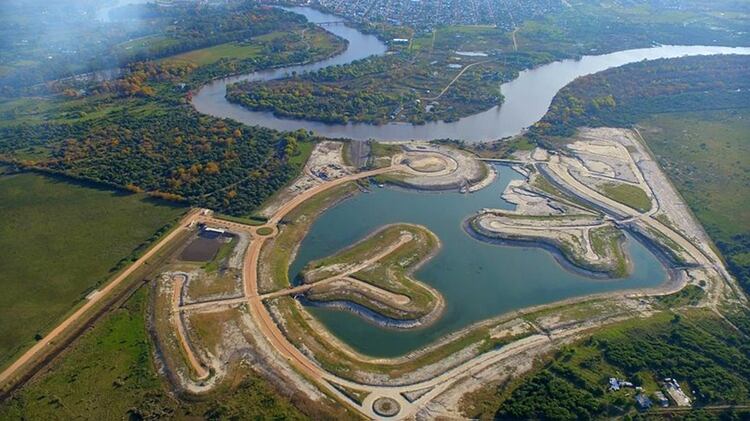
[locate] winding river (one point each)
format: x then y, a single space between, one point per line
526 97
478 280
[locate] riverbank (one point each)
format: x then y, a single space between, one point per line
526 98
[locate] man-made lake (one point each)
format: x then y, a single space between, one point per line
526 97
478 280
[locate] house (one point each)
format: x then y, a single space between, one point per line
675 392
614 384
642 401
215 230
663 401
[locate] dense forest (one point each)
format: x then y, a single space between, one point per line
174 154
621 96
704 353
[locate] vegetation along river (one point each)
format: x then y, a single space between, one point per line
526 97
478 280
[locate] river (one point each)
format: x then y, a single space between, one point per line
526 97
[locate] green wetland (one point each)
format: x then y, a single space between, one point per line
479 280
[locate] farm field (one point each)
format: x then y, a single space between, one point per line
60 240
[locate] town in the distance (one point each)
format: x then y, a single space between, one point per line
374 210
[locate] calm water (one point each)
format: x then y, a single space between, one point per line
478 280
526 98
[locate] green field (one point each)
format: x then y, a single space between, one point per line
707 156
213 54
110 374
59 241
628 195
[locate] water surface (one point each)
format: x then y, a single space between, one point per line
526 97
478 280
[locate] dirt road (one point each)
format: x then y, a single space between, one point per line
178 281
48 342
458 76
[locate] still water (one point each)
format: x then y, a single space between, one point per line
477 279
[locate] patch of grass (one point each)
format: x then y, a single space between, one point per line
304 150
628 195
145 44
607 243
357 396
250 220
690 295
265 231
380 150
60 241
381 153
221 256
210 55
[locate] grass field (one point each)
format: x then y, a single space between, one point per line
707 156
59 241
213 54
110 374
628 195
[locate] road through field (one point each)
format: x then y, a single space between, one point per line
48 342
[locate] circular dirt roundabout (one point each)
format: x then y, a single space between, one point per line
427 164
386 407
264 231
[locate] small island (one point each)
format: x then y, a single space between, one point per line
373 279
